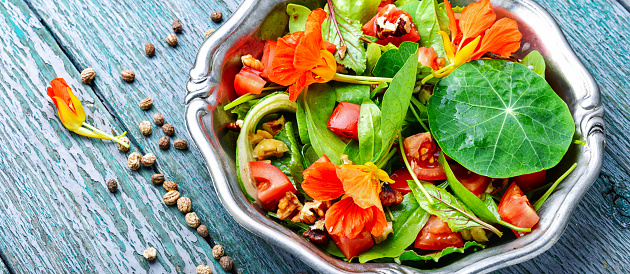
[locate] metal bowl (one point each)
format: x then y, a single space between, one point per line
211 84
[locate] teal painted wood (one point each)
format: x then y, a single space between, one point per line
3 268
110 35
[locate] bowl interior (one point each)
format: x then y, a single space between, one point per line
539 33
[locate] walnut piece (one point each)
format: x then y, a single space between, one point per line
270 147
133 161
121 147
390 196
307 213
171 39
192 220
260 135
128 75
150 253
148 159
184 204
145 128
146 104
399 28
171 197
274 126
386 231
204 269
249 61
87 75
288 206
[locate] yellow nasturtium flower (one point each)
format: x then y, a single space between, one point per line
71 112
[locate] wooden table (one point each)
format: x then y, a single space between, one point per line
58 216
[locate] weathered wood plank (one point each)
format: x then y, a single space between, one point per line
109 35
596 239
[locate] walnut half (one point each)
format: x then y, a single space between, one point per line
288 206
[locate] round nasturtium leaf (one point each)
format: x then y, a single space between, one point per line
499 119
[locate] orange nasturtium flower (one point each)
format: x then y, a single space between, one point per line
476 33
71 112
360 208
301 58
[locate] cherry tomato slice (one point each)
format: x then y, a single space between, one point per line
515 208
400 178
531 181
272 183
268 52
344 120
474 182
354 247
436 235
248 81
390 15
423 154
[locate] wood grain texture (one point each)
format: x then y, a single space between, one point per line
110 35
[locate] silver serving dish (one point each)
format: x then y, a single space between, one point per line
211 85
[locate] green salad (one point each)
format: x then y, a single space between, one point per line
398 131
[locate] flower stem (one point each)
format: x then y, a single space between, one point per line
107 136
365 80
384 161
542 199
413 174
239 101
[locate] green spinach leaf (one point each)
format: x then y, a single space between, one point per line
300 117
373 54
394 59
430 19
410 7
455 220
499 119
309 156
535 61
487 210
297 17
353 151
411 255
408 219
369 128
350 17
396 101
291 161
351 93
318 101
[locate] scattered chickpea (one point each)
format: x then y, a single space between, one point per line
121 147
148 159
150 253
158 119
128 75
184 205
146 104
171 197
164 143
218 251
226 263
204 269
203 231
169 186
216 16
177 26
145 128
157 179
208 33
133 161
112 185
149 49
180 144
88 75
171 39
192 219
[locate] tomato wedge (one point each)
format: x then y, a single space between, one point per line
436 235
354 247
391 16
515 208
248 81
474 182
268 52
423 154
531 181
330 47
272 183
344 121
428 57
400 178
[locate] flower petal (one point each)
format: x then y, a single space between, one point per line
326 70
58 88
346 218
321 182
502 38
68 118
452 24
282 70
307 53
360 184
476 18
